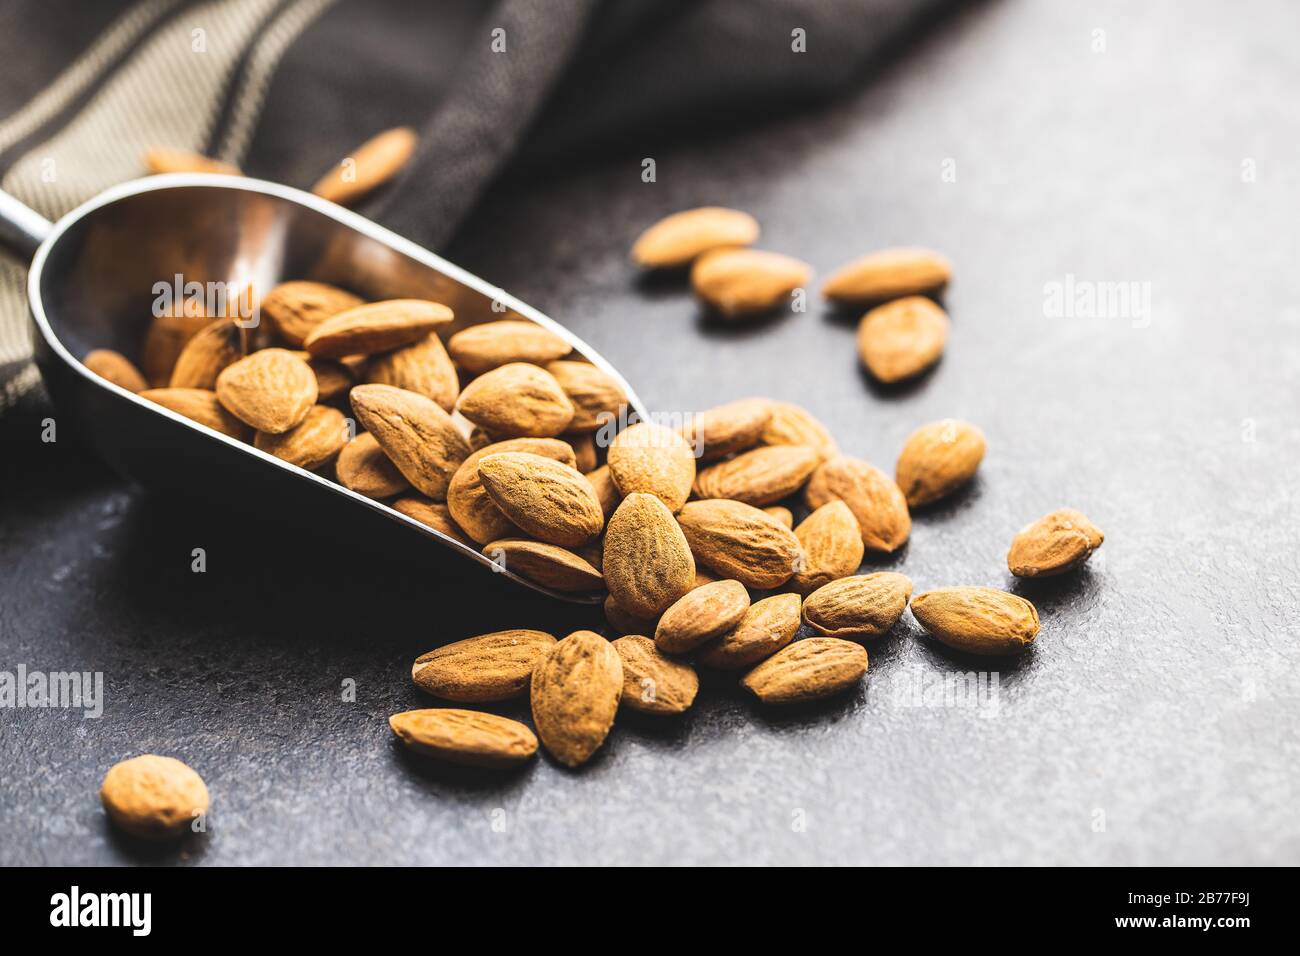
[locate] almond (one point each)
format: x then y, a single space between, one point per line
977 620
781 514
1054 544
198 405
364 468
832 547
272 390
791 425
297 308
466 737
517 400
314 442
654 460
152 797
678 239
938 459
207 355
595 394
901 339
167 336
415 433
768 626
759 477
481 348
887 274
648 564
745 282
653 683
470 503
575 694
163 159
726 429
423 367
808 670
622 622
548 500
700 615
332 378
860 607
370 165
431 514
876 502
116 368
738 541
489 667
376 327
584 450
546 564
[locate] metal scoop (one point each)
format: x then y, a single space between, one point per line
92 285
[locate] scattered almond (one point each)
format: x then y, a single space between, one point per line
575 694
370 165
653 683
546 564
1054 544
297 308
423 367
472 506
152 797
207 355
652 459
548 500
700 615
887 274
312 443
481 348
791 425
363 467
116 368
376 327
937 459
489 667
167 336
678 239
781 514
745 282
467 737
759 477
415 433
740 542
271 390
517 400
726 429
624 622
808 670
876 502
595 394
198 405
977 620
768 626
901 339
832 547
860 607
432 514
648 564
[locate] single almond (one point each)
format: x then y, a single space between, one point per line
369 166
376 327
596 396
654 460
700 615
860 607
431 514
312 443
624 622
467 737
648 564
792 425
977 620
1054 544
116 368
575 693
548 500
653 683
678 239
744 282
207 355
198 405
363 467
415 433
153 797
876 502
272 390
937 459
832 547
759 477
901 339
489 667
166 338
164 159
515 401
768 626
333 378
807 670
472 506
481 348
781 514
546 564
727 429
296 308
423 367
887 274
740 542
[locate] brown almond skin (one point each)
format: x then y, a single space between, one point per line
872 496
517 401
423 367
768 626
481 348
363 467
415 433
738 283
575 694
676 240
603 484
271 390
489 667
858 608
548 500
648 564
759 477
888 274
1055 544
652 459
311 444
161 159
153 797
374 163
584 450
978 620
811 669
726 429
596 396
470 503
166 338
198 405
653 683
740 542
832 547
467 737
333 378
781 514
623 622
376 327
116 368
207 355
297 308
792 425
700 615
546 564
901 339
432 514
937 459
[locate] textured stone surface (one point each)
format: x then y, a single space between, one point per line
1162 690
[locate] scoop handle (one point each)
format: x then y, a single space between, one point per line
22 229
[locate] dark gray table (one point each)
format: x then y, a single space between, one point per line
1154 721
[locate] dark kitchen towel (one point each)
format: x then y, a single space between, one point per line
285 88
